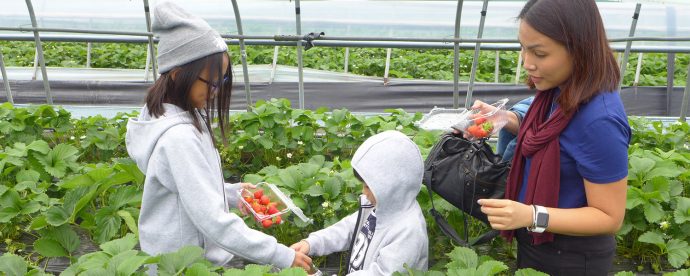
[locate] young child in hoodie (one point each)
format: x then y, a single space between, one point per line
389 229
185 200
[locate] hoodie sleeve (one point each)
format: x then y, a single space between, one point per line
201 197
231 194
404 248
334 238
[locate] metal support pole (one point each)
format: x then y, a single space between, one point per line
347 59
633 26
148 64
243 55
39 50
388 66
456 57
637 70
686 98
671 31
300 71
5 80
35 71
519 68
274 65
88 54
497 67
475 60
151 50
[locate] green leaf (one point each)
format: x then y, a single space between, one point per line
653 212
129 221
28 175
30 207
131 264
491 268
529 272
666 169
58 159
107 224
76 182
682 272
124 196
682 212
198 270
39 146
174 262
67 238
624 273
118 246
653 238
314 190
57 215
640 166
49 248
462 257
94 260
8 213
287 180
332 187
677 252
12 265
39 223
249 270
293 271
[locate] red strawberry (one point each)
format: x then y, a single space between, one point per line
257 207
265 200
272 210
278 220
473 130
480 120
267 223
258 194
481 133
248 199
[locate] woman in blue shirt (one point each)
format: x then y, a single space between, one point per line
565 197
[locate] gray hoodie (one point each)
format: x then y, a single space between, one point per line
186 201
391 165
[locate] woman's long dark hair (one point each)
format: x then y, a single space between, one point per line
176 91
577 25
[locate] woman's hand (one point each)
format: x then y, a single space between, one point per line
505 214
301 246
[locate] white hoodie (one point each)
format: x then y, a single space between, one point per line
186 201
391 165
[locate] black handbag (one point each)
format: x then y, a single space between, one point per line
461 172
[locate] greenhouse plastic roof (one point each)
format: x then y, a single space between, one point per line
421 19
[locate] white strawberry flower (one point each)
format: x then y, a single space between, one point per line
289 155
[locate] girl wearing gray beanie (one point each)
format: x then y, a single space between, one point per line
185 200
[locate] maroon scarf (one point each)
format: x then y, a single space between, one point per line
538 139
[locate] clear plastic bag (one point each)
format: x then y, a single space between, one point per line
480 125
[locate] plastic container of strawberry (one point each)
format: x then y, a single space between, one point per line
268 204
482 125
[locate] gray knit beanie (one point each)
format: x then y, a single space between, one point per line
183 37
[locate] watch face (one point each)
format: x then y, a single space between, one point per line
542 219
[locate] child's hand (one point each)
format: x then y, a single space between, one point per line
302 260
301 246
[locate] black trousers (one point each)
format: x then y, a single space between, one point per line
567 255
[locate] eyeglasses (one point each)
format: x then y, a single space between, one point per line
214 85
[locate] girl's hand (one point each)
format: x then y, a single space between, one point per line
505 214
247 186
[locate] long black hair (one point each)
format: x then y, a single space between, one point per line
176 91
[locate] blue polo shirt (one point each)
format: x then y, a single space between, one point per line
594 146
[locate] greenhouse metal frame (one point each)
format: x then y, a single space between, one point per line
300 40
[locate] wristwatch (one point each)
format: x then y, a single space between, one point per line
540 219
